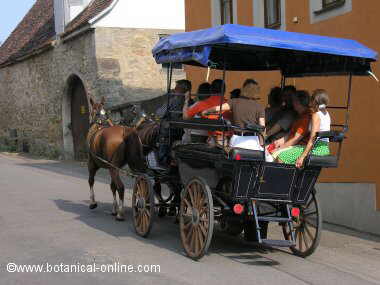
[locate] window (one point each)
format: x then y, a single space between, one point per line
331 3
226 12
272 14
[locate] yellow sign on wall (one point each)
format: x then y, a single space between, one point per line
83 110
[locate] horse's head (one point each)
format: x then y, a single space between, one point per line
98 113
139 117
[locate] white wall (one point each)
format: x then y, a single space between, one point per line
351 205
146 14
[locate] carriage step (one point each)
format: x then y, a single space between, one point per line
273 219
277 243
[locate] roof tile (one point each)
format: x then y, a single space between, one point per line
37 28
34 31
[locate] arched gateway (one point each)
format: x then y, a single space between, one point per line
77 117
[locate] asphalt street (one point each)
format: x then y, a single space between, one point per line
45 219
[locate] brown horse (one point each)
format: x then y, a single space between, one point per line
112 146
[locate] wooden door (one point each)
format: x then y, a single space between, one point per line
79 119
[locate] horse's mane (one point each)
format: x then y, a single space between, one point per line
148 132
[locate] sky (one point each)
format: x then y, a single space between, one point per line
11 13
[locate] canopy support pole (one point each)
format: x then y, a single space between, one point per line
223 88
169 86
283 80
222 96
348 107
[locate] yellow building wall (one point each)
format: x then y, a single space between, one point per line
361 149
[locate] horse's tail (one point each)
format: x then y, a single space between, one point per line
133 151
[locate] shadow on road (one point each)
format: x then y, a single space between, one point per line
165 233
350 232
77 170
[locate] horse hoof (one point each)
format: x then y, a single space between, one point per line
119 219
93 206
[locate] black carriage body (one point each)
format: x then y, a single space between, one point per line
257 180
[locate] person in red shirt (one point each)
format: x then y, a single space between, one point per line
300 131
216 98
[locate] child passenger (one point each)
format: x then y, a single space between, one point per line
304 131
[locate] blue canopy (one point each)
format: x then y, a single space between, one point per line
236 47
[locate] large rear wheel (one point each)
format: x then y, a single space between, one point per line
307 228
143 206
196 218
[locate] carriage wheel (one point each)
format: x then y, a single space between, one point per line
143 206
307 228
196 218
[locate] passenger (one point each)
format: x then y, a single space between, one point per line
245 110
205 90
217 90
274 104
279 125
216 99
200 136
234 94
175 102
320 122
182 87
302 132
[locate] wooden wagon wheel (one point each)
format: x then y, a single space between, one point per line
307 228
196 218
143 206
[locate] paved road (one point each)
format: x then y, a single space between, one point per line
44 217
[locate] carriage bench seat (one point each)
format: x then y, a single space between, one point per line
327 161
246 154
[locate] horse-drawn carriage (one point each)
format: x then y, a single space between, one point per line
236 187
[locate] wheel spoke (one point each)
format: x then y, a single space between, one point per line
142 225
147 213
310 224
203 211
197 240
196 195
309 203
306 214
190 191
187 203
138 219
305 240
300 241
203 230
192 239
189 234
187 224
308 233
146 192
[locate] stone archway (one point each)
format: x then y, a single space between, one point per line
75 119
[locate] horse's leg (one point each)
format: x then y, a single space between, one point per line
92 169
114 205
120 190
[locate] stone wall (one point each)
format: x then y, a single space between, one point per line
33 92
126 68
114 63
